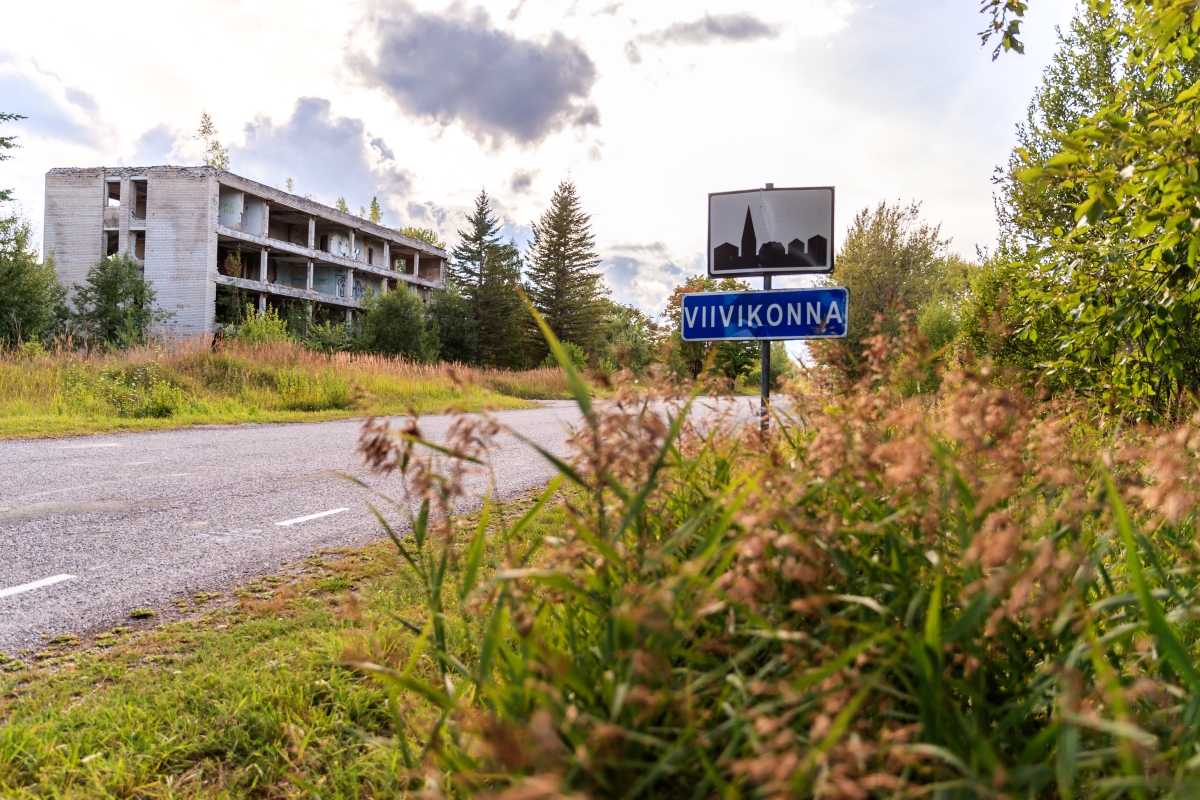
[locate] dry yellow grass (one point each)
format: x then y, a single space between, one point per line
67 392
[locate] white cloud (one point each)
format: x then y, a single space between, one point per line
891 100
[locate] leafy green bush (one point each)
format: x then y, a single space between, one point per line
396 324
114 307
263 328
328 337
962 598
578 358
32 302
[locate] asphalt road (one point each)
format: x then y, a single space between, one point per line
93 527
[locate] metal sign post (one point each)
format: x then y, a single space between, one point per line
795 228
764 413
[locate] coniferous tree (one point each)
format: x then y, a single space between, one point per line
500 311
458 331
469 255
564 283
488 272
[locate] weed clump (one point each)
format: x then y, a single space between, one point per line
960 593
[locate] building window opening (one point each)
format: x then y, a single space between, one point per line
114 195
112 243
139 199
340 283
139 244
324 243
400 265
371 255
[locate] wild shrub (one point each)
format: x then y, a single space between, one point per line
263 328
138 391
397 324
578 357
32 304
964 595
328 337
114 307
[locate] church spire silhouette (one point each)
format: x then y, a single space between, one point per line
749 241
772 256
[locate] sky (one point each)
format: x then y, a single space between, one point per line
647 105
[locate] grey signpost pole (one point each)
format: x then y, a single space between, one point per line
764 412
765 387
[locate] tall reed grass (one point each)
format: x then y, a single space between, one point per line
968 594
68 390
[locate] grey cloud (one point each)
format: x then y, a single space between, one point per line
67 117
82 99
709 29
385 152
658 248
610 10
155 147
645 282
328 156
522 180
458 66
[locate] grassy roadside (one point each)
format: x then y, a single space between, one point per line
63 393
233 699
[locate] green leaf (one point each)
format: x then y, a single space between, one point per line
933 617
1063 159
579 389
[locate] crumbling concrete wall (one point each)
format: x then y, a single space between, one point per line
74 226
181 247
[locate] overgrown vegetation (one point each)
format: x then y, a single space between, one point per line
58 392
1095 284
978 596
32 304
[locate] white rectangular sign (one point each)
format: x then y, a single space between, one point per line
770 232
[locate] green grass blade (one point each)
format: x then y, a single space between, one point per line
559 464
1169 643
579 389
475 549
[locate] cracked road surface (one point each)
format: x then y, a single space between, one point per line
95 526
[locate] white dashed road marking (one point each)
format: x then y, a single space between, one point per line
312 516
88 446
29 587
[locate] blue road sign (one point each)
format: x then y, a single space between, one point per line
767 314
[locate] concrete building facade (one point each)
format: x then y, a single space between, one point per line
199 232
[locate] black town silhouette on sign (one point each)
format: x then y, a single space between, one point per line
771 254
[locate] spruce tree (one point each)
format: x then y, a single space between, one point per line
564 283
468 257
499 309
488 272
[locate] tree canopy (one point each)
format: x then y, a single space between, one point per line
562 273
488 271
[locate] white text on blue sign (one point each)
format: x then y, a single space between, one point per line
770 314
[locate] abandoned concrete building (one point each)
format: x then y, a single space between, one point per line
209 240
